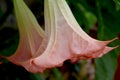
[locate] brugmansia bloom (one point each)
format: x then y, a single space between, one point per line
31 34
62 39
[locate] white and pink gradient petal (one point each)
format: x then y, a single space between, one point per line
30 33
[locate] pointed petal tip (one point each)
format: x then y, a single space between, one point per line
109 41
106 50
115 47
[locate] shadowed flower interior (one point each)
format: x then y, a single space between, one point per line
62 39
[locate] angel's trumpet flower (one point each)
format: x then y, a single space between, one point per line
63 39
30 33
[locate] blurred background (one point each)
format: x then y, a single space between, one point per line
99 18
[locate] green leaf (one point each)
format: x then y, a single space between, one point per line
105 67
108 28
117 3
36 77
57 74
89 18
83 16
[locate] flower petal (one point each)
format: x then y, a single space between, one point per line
31 33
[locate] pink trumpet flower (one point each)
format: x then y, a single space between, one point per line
31 34
63 39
